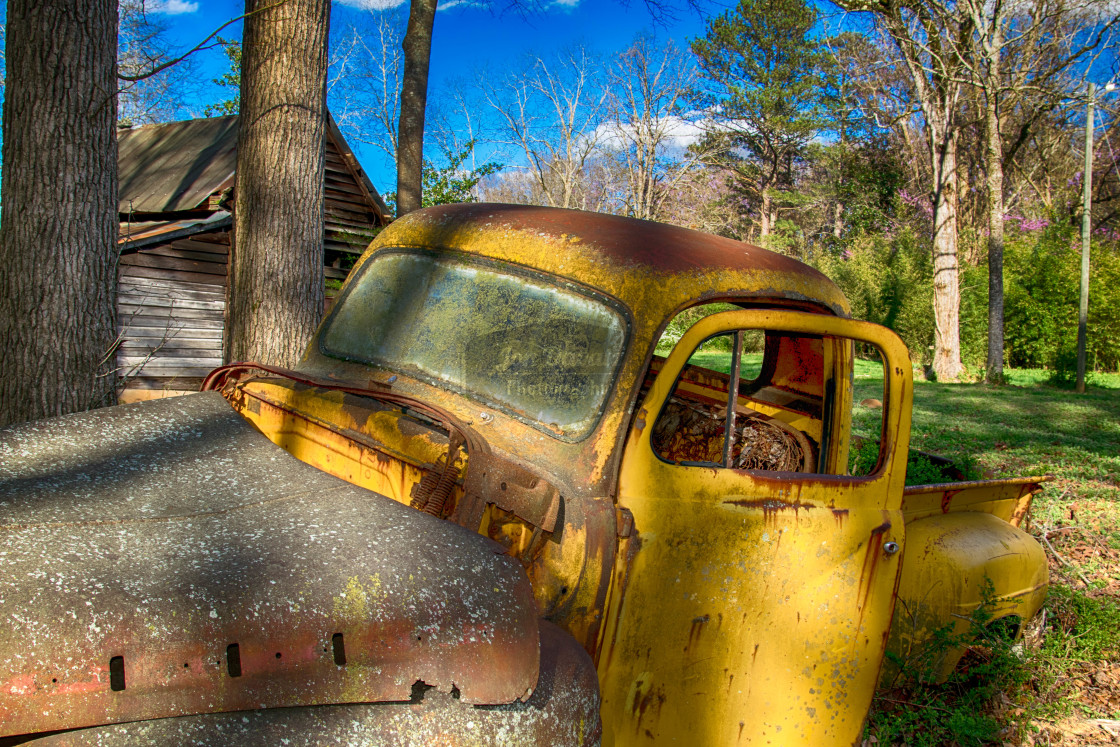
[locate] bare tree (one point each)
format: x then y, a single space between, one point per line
551 113
58 233
417 47
276 262
649 126
1021 51
927 36
143 45
364 87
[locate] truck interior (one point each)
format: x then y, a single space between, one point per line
793 395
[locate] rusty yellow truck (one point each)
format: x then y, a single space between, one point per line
484 510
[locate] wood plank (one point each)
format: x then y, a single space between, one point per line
335 196
162 288
345 186
165 312
141 259
150 382
186 373
163 301
154 335
174 285
213 247
136 342
170 314
190 277
219 238
344 212
163 298
343 248
149 328
164 250
173 345
341 225
157 363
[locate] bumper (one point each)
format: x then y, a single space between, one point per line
563 710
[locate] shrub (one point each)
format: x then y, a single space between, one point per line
889 281
1042 282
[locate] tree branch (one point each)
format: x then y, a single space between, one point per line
196 48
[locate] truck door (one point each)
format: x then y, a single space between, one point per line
754 589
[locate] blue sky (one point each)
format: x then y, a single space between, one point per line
468 36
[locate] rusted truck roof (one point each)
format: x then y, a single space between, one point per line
651 267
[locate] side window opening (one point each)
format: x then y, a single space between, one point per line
793 411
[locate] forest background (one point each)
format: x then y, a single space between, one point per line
855 137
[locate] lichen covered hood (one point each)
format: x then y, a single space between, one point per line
165 558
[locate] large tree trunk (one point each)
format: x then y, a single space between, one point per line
765 216
58 233
276 262
994 158
946 271
414 100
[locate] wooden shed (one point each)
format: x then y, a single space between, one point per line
176 183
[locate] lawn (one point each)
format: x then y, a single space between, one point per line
1062 684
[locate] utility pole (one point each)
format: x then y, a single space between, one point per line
1086 230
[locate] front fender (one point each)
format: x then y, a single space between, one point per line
165 559
954 563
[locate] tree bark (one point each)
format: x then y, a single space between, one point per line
414 100
276 261
994 157
765 215
58 233
946 270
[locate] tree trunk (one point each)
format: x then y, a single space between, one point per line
765 217
276 261
58 233
414 100
946 271
994 157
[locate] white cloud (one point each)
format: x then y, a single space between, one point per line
679 134
372 4
171 7
565 4
460 4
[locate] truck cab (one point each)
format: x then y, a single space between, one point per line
690 531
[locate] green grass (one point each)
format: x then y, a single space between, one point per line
1028 428
1035 376
720 360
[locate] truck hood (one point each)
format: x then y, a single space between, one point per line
165 558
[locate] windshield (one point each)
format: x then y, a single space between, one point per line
542 351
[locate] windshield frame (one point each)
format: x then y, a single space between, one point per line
569 434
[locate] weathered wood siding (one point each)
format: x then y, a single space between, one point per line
172 297
348 213
171 313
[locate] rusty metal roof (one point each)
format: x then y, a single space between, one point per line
175 166
141 234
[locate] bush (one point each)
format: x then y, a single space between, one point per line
1042 281
889 281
